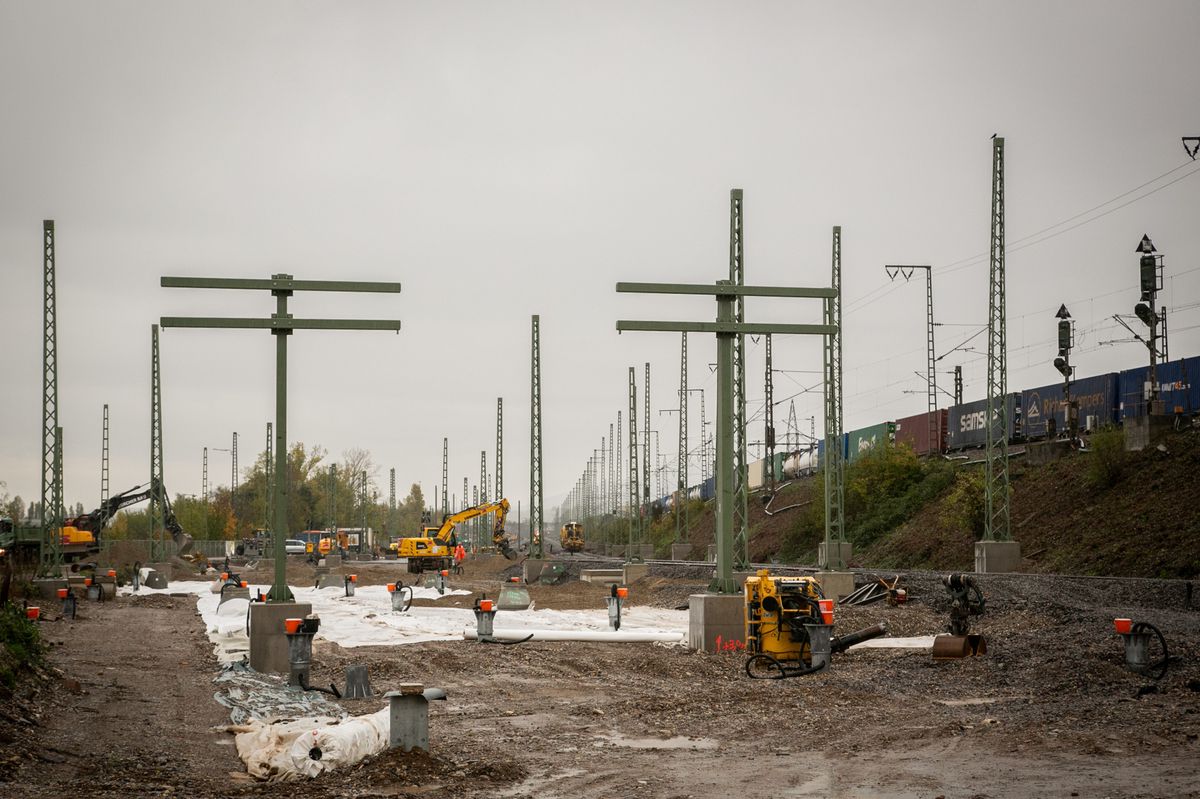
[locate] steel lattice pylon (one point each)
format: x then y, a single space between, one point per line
104 459
835 497
635 515
644 527
51 551
445 476
332 498
996 520
535 442
499 448
157 509
741 494
681 481
769 422
270 459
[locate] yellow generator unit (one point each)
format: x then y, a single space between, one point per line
777 608
777 640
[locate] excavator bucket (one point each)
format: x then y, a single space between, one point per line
955 647
513 597
184 542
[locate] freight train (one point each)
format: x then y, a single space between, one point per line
1107 399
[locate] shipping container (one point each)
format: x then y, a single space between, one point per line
867 439
708 489
965 423
1097 398
1178 387
914 431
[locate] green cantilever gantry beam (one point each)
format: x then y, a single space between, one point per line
281 324
726 329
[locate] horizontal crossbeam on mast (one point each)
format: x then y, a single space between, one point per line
281 324
724 290
748 328
278 284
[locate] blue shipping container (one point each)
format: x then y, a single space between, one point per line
966 427
1178 387
1097 397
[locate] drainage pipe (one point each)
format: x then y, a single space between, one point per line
623 637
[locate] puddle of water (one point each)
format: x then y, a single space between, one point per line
678 742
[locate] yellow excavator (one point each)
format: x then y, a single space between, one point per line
433 550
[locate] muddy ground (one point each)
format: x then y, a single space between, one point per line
1049 711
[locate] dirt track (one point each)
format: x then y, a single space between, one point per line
1050 711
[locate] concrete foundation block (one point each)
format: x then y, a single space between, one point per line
681 551
333 561
716 622
268 641
165 569
531 570
1042 452
835 584
47 587
610 576
330 581
997 557
634 571
1146 431
839 557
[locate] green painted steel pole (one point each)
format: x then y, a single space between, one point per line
723 582
279 590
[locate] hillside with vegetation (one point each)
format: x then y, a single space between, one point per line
1101 511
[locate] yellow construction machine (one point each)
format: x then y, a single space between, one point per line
783 614
433 550
571 537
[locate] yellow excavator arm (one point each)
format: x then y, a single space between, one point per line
445 533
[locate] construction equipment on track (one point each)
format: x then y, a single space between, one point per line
967 600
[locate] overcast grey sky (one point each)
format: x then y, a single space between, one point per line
506 159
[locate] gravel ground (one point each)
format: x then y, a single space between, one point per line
1049 711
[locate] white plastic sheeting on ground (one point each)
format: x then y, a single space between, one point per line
367 618
285 750
612 636
911 642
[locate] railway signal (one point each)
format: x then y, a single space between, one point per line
1150 268
1066 340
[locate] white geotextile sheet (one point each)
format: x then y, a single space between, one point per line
367 618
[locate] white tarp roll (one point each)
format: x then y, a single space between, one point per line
285 751
580 635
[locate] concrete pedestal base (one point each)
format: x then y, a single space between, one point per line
633 571
681 551
997 557
165 569
47 587
1146 431
1042 452
835 584
531 570
716 620
839 557
268 641
330 581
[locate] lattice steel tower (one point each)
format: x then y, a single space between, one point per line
499 447
445 476
535 442
681 478
270 459
104 459
157 510
769 422
835 497
635 517
996 520
741 494
51 553
644 527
